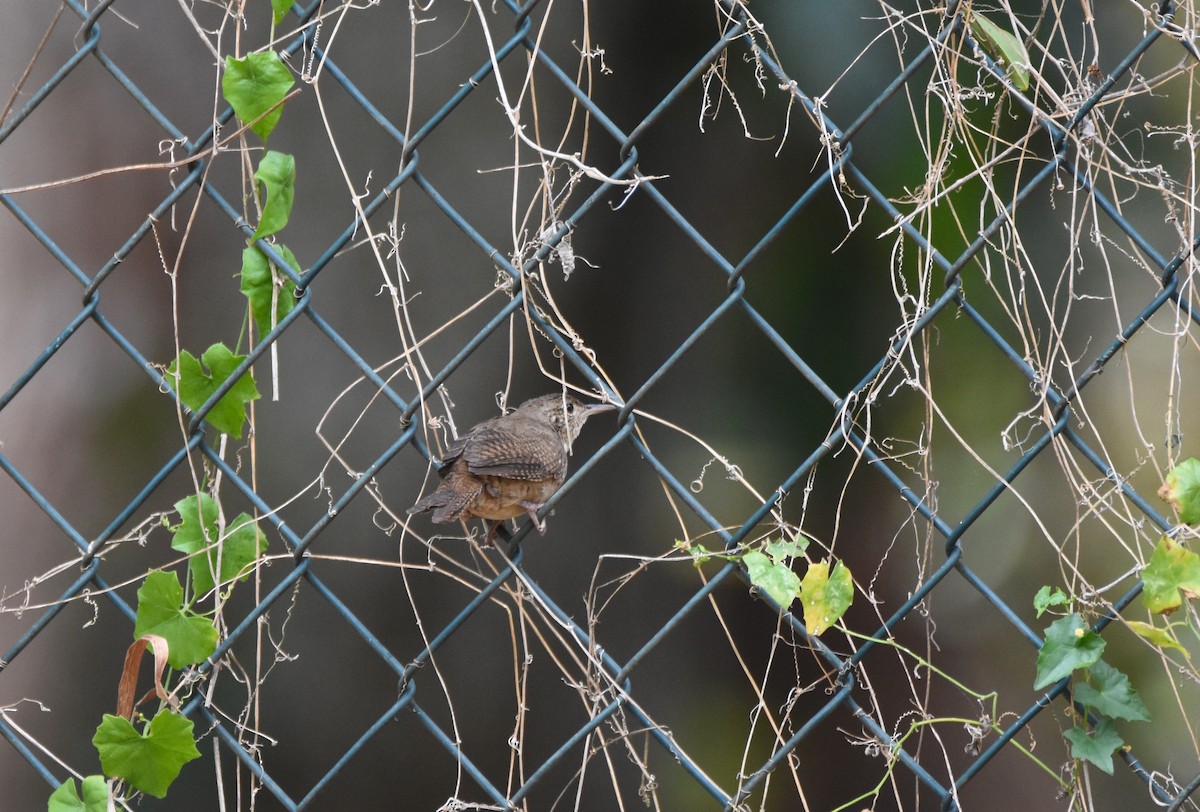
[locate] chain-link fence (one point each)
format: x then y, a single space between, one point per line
851 272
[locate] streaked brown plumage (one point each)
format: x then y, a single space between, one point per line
510 464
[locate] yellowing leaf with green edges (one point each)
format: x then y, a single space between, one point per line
1163 638
825 595
1173 571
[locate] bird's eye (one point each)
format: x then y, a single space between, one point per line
570 408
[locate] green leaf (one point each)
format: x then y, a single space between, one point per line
277 173
197 526
1172 570
1112 695
782 549
1096 747
196 385
95 796
1182 490
826 595
1045 598
198 529
1163 638
1004 47
281 8
191 638
272 295
776 580
148 762
1069 645
699 553
254 84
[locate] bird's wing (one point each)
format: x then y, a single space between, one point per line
535 452
453 452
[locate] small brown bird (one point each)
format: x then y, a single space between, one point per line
510 464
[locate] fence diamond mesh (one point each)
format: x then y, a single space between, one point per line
896 306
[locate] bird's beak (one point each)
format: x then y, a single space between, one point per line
596 408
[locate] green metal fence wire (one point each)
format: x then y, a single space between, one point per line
728 279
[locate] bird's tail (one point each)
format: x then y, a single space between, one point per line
449 501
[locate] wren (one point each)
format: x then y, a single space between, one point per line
511 464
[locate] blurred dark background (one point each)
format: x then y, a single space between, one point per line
91 428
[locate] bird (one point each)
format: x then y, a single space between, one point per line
511 464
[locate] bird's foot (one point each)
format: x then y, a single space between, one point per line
496 534
532 510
